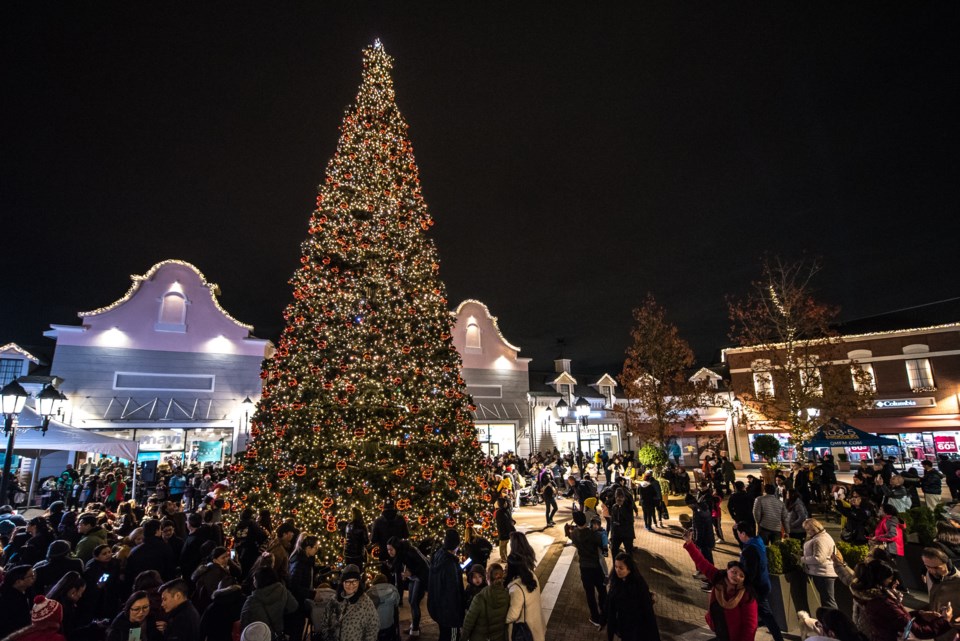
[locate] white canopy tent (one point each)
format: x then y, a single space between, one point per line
30 442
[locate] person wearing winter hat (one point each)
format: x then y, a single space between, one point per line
445 588
15 601
351 615
59 561
476 581
256 631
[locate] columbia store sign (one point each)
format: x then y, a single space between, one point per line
899 403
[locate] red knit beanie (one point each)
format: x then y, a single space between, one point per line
46 612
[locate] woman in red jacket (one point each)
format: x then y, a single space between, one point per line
889 531
732 613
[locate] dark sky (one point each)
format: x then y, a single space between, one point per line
573 159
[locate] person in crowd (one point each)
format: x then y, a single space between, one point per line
351 615
525 607
386 598
740 506
134 621
446 601
650 498
548 492
476 547
15 603
622 515
588 545
198 545
152 554
247 539
817 560
856 517
486 617
796 515
126 519
770 515
92 536
280 546
505 525
219 618
182 619
895 494
270 601
753 561
932 484
355 540
476 582
45 619
889 530
629 605
168 532
883 615
732 612
415 568
10 520
520 546
67 592
389 524
67 530
942 580
102 598
208 578
702 526
41 536
59 561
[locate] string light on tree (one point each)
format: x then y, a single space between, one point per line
363 400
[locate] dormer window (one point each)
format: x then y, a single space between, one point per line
173 313
762 378
607 392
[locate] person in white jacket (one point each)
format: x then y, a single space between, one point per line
817 561
524 598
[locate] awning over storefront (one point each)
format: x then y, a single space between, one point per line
59 437
836 433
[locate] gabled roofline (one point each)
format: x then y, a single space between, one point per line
137 280
492 318
19 350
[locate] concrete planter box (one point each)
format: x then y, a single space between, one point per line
790 593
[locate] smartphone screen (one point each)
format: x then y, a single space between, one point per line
104 578
134 634
466 564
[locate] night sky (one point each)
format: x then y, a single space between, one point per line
573 159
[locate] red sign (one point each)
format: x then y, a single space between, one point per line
859 450
945 444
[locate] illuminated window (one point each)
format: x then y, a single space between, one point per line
473 334
10 369
566 392
810 380
607 392
762 378
920 375
173 313
864 380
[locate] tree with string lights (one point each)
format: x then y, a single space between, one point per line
363 400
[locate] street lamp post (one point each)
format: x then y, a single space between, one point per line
12 399
583 411
247 404
562 409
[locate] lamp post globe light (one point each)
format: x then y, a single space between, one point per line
12 399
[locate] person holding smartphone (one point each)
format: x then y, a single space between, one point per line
135 622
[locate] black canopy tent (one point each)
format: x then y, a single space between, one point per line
836 433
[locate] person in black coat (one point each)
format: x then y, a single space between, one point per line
198 545
355 540
476 547
59 561
650 497
447 597
386 526
101 599
410 563
621 523
183 620
216 623
248 537
629 604
740 506
300 582
41 536
505 525
15 603
152 554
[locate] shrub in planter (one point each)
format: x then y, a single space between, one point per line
790 551
921 521
767 447
852 554
774 560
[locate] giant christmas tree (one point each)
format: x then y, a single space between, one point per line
363 400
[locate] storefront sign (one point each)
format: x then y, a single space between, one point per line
161 441
208 452
900 403
945 444
858 450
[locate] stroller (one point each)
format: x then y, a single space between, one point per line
528 494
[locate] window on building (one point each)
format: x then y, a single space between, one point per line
762 378
810 380
607 392
173 313
566 391
864 379
920 375
10 370
473 334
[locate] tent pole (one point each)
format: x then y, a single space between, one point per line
133 481
33 479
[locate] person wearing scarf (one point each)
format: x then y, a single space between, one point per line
732 612
351 615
